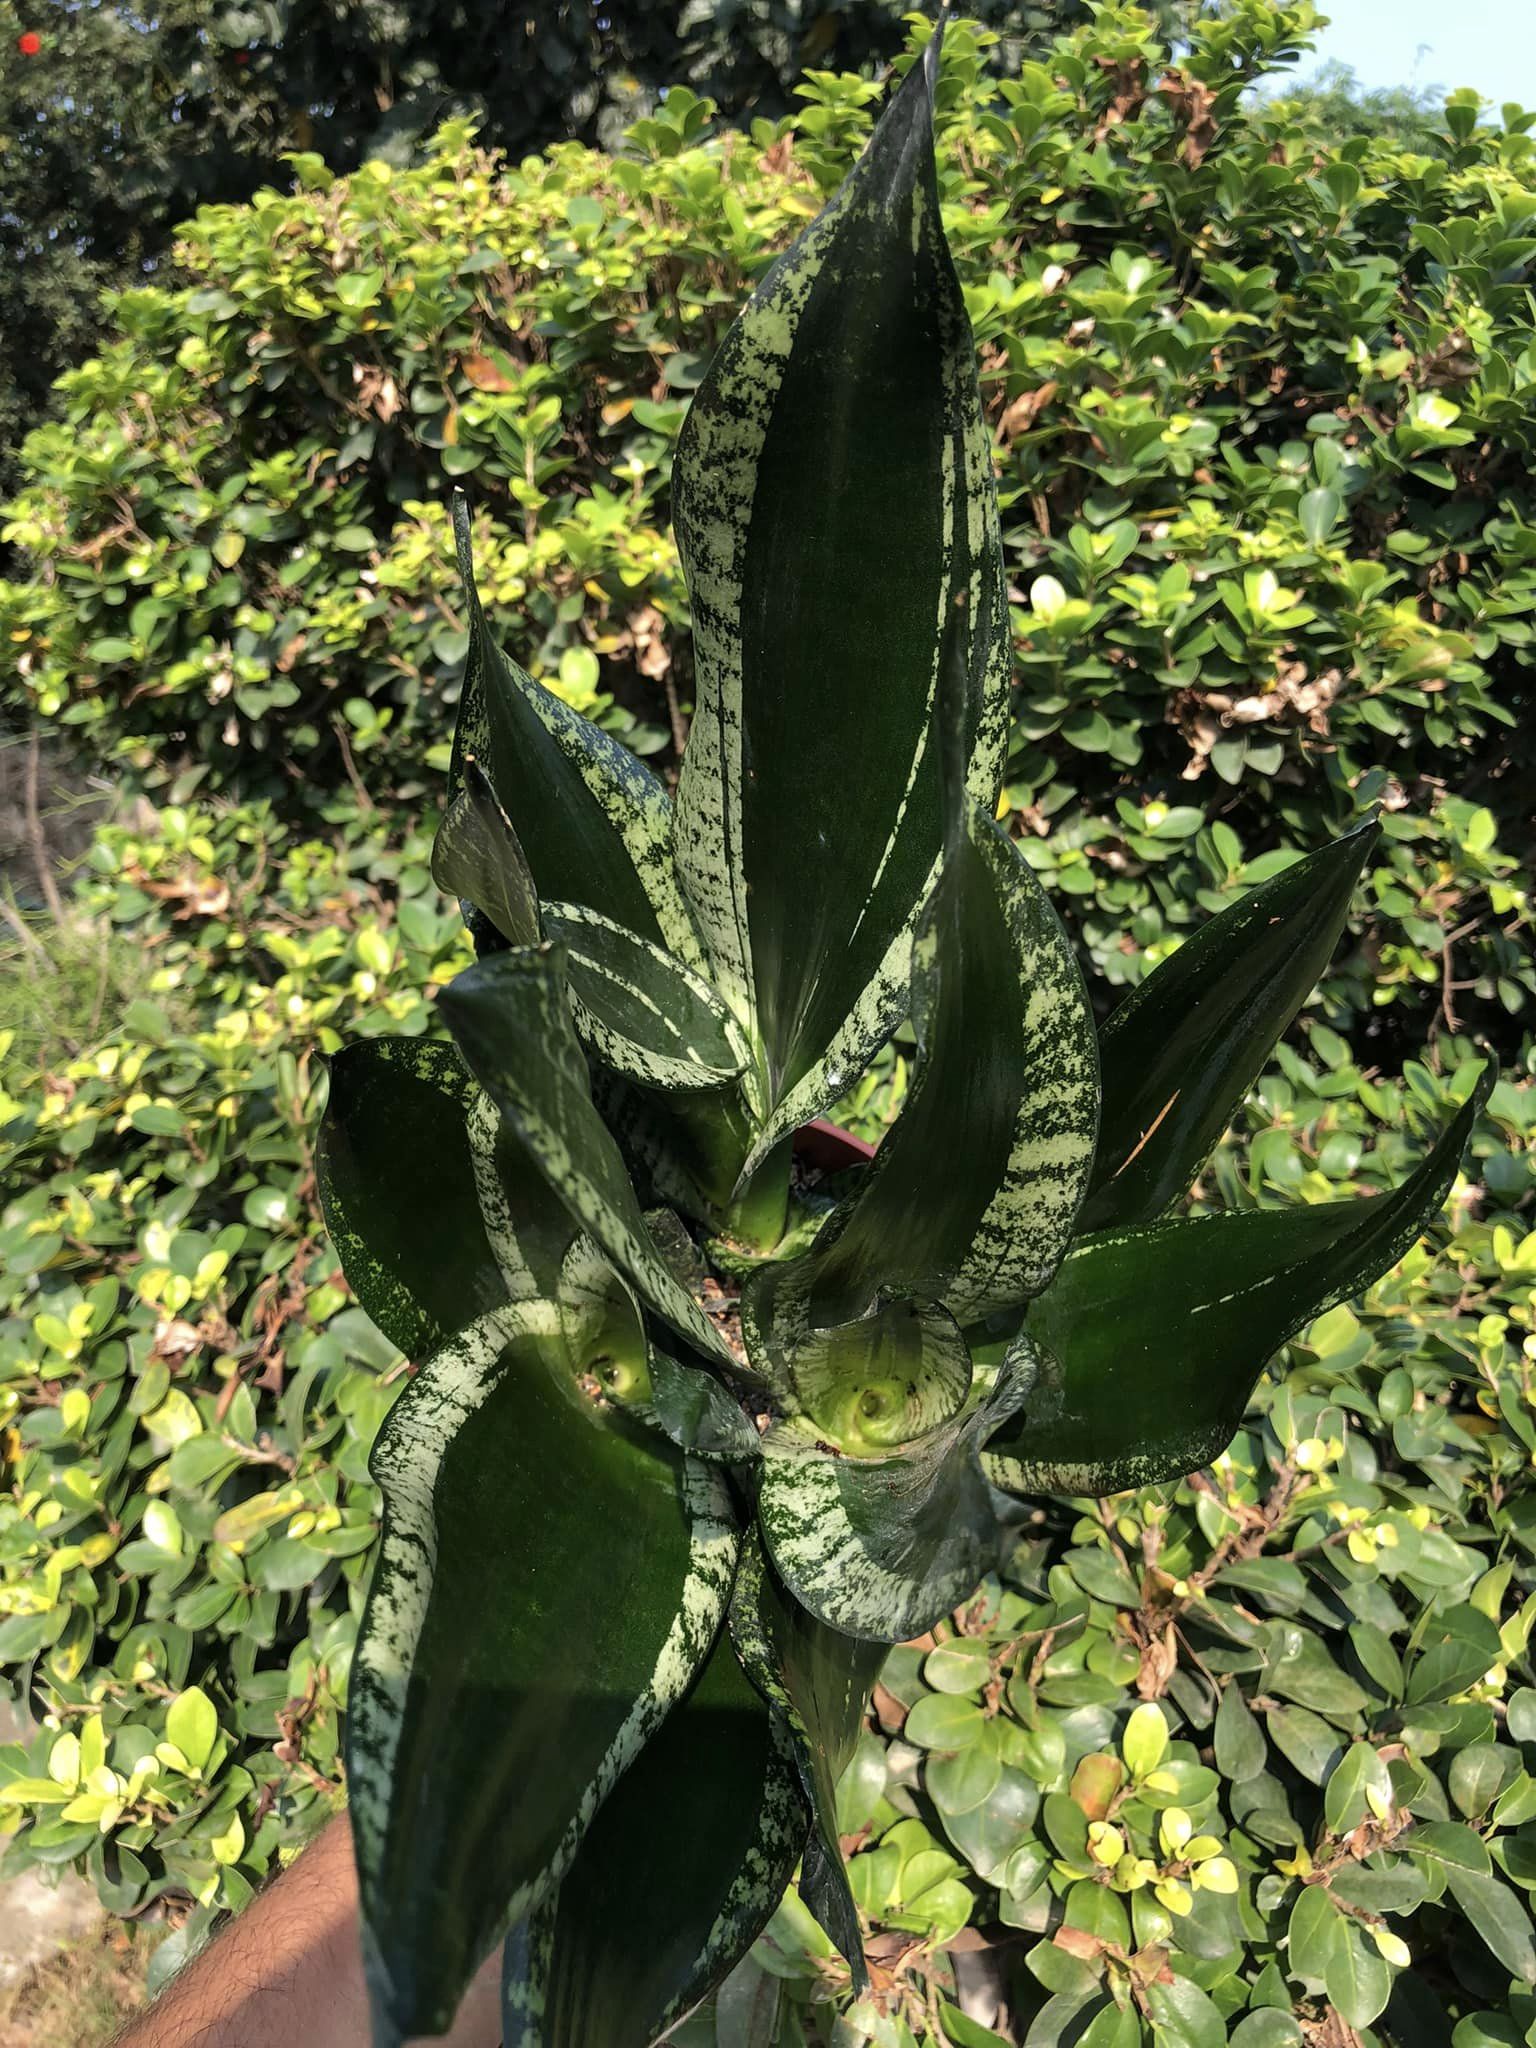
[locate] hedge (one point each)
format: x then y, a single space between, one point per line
1339 1611
1264 428
1218 491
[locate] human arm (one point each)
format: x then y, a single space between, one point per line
289 1970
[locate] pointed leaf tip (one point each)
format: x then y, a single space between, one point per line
1180 1053
1154 1337
857 338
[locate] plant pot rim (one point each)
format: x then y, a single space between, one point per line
828 1146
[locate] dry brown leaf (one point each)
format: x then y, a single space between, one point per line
1129 80
193 895
175 1340
1077 1941
486 373
377 391
1020 414
1191 101
1159 1660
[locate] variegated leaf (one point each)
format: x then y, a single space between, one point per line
646 1015
1179 1053
436 1212
883 1546
869 1385
819 1681
595 823
698 1413
485 1729
1151 1339
476 857
608 1343
512 1020
833 491
675 1879
1005 1095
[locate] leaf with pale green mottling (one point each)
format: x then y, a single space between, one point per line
1004 1093
495 1466
1179 1053
677 1875
816 614
644 1013
883 1545
476 857
512 1020
594 823
1151 1339
819 1681
436 1212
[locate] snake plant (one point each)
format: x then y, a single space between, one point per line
695 1431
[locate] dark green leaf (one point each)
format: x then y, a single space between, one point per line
476 857
644 1013
1312 1932
595 824
436 1213
1241 1751
485 1730
1179 1054
1318 513
941 1721
964 1781
512 1020
1158 1334
807 877
959 1665
1500 1916
1450 1844
1183 2016
1357 1978
987 1835
676 1876
1004 1093
1478 1774
1459 1645
966 2032
1347 1798
697 1412
820 1682
747 2011
1305 1740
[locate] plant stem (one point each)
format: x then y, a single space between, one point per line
757 1219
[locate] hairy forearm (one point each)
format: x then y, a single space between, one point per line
289 1971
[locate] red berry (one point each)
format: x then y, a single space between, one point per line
29 42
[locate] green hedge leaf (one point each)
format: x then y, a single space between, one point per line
1499 1915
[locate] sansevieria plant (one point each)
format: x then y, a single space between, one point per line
694 1434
